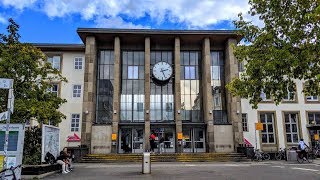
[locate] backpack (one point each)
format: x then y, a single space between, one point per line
49 158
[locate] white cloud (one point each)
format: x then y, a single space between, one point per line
117 22
18 4
193 13
3 20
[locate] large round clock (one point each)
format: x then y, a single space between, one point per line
162 71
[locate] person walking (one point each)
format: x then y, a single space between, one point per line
161 144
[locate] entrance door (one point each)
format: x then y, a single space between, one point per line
131 140
193 140
169 139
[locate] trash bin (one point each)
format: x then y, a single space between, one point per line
291 155
146 163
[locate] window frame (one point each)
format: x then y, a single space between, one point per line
298 124
267 130
53 63
135 70
74 63
76 128
55 92
192 74
244 118
314 119
77 93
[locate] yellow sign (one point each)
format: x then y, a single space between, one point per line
114 137
1 161
179 136
316 137
259 126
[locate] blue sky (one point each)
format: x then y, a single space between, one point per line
56 21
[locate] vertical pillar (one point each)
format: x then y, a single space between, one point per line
89 90
177 93
116 93
207 94
233 103
147 93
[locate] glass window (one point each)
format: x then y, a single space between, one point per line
78 63
105 87
54 89
55 62
312 98
76 90
290 96
189 72
291 124
133 72
244 122
75 122
140 107
314 118
265 97
267 134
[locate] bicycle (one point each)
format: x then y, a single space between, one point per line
309 156
259 156
281 154
13 172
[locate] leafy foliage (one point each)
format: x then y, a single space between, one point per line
32 146
33 76
286 49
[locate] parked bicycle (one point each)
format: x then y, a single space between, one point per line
259 156
13 170
282 154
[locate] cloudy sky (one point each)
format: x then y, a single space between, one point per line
56 21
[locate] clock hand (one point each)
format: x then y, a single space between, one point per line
163 74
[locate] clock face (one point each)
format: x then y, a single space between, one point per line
162 71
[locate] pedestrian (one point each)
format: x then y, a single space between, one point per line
161 144
302 146
152 138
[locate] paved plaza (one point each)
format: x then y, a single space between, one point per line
267 170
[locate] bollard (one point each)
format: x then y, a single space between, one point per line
146 163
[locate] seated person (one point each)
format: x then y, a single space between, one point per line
63 161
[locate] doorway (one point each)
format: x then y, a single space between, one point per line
169 139
193 140
131 140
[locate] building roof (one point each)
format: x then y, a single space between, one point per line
106 34
59 47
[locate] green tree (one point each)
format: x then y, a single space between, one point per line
32 75
287 48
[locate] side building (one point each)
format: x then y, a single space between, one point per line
70 60
297 117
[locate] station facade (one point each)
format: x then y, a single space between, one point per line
167 82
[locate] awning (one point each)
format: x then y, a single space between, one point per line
313 127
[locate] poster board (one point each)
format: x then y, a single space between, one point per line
15 146
50 141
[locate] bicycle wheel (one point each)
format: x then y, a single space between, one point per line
310 158
299 159
266 156
278 156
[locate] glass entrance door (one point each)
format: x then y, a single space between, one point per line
131 140
169 139
193 140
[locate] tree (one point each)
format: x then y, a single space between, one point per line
286 49
33 76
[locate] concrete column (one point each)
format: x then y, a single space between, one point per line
116 92
147 93
207 94
89 90
233 103
177 93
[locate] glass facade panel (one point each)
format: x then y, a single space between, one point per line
105 87
218 90
190 82
132 87
291 123
268 132
161 95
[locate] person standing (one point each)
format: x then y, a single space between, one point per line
152 138
161 144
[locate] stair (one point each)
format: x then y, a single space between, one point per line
174 157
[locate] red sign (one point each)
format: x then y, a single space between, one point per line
73 138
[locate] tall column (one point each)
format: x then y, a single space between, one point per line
147 93
233 103
207 94
116 93
177 93
89 90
